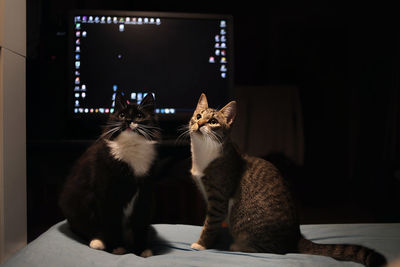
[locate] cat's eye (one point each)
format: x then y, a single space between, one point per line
213 121
139 115
198 116
122 115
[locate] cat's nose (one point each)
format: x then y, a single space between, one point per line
133 125
201 123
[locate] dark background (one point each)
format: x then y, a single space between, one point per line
343 60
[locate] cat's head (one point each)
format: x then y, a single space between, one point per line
133 119
212 123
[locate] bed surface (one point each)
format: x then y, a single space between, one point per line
59 247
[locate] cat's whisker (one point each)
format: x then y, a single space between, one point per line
210 135
216 137
151 128
208 140
109 128
141 132
183 128
110 132
185 131
151 131
149 136
110 124
182 136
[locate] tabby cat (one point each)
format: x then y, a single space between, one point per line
106 197
251 194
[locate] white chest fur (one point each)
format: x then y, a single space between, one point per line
134 150
204 151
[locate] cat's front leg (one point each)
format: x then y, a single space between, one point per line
204 240
209 233
216 213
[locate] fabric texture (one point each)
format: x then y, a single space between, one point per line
59 247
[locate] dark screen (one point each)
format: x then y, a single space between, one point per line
175 58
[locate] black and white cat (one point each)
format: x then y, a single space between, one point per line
106 197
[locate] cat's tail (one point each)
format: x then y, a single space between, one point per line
343 252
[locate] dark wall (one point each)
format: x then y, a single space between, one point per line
343 60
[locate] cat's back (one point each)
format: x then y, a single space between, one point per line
263 177
262 190
260 171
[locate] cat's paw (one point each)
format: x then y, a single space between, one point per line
97 244
119 251
197 246
146 253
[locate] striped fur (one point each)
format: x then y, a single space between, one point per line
345 252
252 193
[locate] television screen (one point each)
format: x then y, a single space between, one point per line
173 56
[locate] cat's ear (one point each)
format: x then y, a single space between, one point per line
120 102
229 112
202 104
148 103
